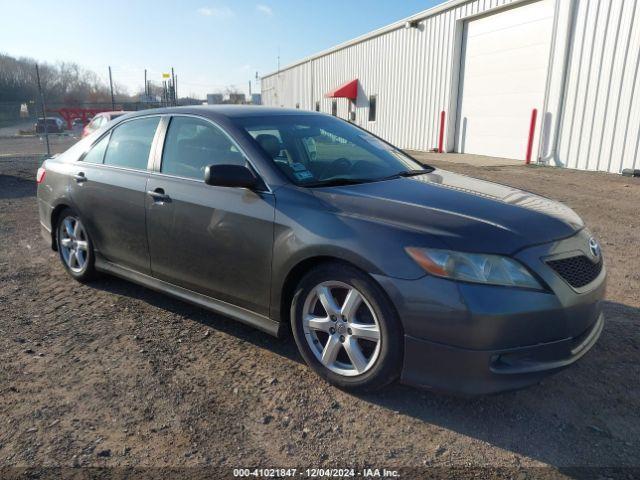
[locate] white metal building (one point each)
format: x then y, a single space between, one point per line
488 64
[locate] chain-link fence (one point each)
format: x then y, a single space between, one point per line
14 113
18 135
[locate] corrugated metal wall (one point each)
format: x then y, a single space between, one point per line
600 126
413 73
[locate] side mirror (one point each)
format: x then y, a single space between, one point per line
237 176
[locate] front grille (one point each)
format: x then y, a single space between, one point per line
577 271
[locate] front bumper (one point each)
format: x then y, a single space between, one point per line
442 367
476 338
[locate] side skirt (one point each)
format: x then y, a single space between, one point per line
237 313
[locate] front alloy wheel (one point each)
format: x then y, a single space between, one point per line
346 328
341 328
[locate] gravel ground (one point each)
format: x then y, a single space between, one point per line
112 374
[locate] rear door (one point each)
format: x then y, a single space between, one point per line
108 187
212 240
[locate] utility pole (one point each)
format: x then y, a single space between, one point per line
113 102
44 110
173 86
146 92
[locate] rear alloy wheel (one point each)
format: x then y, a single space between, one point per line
74 246
346 329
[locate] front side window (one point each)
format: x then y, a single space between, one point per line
313 150
130 143
96 154
193 144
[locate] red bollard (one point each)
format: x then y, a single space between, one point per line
532 131
441 139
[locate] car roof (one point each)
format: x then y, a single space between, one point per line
229 111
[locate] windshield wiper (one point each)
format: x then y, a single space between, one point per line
407 173
334 182
338 181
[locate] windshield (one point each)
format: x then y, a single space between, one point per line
316 150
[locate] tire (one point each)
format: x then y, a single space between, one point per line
330 345
72 237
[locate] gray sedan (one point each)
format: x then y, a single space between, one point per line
299 222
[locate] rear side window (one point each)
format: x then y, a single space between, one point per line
96 154
193 144
130 143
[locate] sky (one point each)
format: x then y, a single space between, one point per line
211 44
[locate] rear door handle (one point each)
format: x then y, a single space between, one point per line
79 177
158 195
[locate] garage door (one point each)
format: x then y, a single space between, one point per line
502 79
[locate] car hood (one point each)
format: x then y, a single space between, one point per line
465 213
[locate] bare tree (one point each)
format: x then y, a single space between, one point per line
234 95
65 83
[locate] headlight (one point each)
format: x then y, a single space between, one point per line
473 267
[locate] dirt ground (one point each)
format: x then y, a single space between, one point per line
12 145
112 374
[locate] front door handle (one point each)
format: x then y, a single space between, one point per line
79 177
158 195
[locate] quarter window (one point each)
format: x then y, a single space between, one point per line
130 143
96 154
372 107
193 144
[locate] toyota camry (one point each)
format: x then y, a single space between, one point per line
382 268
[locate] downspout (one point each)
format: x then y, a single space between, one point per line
563 86
312 106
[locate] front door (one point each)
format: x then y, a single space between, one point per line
212 240
108 188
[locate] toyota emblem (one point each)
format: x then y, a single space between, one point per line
594 247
